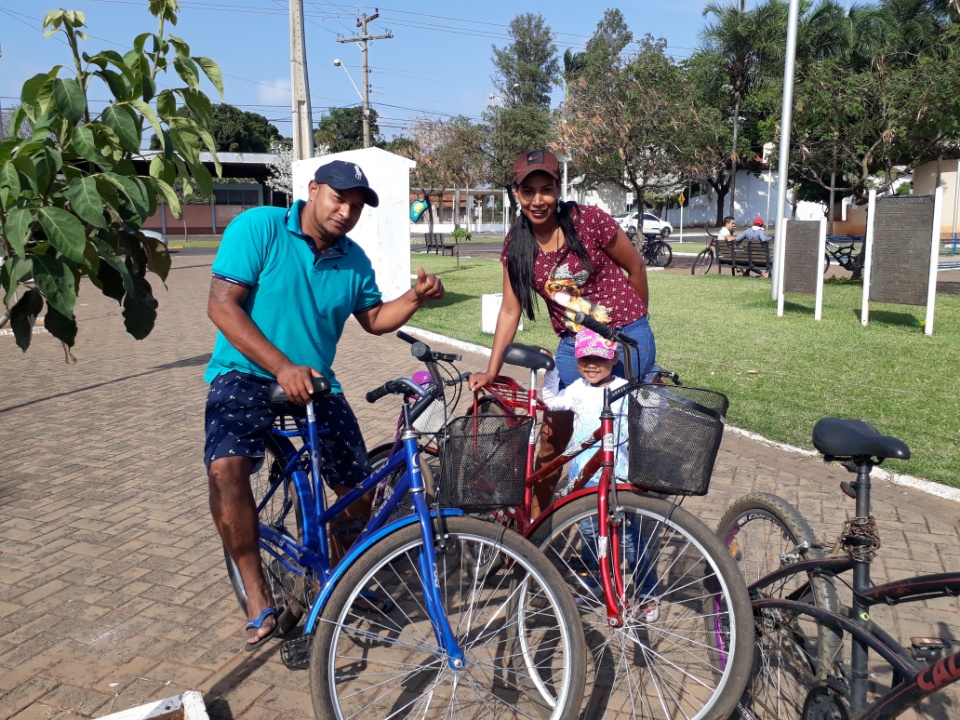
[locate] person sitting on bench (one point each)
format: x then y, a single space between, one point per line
755 233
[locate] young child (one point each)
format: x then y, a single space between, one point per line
595 360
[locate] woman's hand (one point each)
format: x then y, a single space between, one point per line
479 380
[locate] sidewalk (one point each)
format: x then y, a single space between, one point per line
113 590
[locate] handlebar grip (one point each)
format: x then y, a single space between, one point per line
421 352
406 338
375 395
604 331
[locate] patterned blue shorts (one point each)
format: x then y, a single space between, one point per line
239 416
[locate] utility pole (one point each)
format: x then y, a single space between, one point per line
300 87
3 132
365 40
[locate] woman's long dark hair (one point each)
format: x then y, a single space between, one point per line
522 254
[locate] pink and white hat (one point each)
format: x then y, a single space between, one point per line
589 344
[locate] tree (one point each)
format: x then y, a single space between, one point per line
71 202
626 122
280 167
342 129
235 130
527 68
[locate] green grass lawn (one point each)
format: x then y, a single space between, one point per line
781 374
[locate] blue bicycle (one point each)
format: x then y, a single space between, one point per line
409 622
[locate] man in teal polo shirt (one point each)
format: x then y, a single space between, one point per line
284 284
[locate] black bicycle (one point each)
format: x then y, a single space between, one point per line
846 251
655 250
816 658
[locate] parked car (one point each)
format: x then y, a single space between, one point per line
652 225
153 234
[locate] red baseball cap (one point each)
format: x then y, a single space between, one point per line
535 161
758 221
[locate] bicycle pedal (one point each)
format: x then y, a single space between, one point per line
928 649
296 653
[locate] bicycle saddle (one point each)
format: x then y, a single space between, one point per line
321 386
528 356
855 438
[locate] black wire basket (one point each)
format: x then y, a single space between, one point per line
483 462
674 436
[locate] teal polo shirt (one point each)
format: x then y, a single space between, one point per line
299 300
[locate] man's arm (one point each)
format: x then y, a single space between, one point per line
390 316
225 309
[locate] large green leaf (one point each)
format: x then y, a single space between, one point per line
70 99
203 178
7 147
108 192
24 314
140 310
45 99
17 230
86 202
187 70
166 104
9 183
55 279
116 82
148 88
63 231
111 259
85 144
170 197
23 162
133 191
116 59
12 273
163 169
199 105
61 327
158 258
122 121
30 91
48 163
147 111
212 71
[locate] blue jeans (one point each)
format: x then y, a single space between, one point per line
643 358
635 560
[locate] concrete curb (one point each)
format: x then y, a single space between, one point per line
188 706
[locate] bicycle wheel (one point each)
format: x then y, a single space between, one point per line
703 263
826 263
378 458
764 532
685 647
518 627
662 254
292 592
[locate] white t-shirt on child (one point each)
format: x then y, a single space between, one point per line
586 402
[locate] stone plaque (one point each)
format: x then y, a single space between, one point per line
900 264
802 261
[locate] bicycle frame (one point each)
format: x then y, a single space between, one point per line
913 680
606 491
315 517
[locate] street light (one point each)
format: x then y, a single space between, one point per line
363 103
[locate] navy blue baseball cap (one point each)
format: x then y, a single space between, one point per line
342 175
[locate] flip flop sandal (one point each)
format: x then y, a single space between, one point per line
371 602
257 624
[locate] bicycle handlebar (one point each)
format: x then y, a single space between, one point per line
605 331
400 386
421 351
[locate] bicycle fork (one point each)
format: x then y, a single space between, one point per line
427 559
610 524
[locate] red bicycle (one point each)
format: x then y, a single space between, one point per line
667 614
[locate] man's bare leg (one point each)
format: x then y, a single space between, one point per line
235 515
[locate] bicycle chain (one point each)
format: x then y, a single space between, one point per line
860 538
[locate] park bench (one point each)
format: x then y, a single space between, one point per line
749 257
439 246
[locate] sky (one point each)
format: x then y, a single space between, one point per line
437 64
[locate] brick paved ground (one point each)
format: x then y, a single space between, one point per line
112 585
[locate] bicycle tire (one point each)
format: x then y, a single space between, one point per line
292 592
692 662
662 254
378 457
702 263
826 263
762 533
519 629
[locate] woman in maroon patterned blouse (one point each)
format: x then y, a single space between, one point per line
578 260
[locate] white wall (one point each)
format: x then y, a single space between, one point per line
383 232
